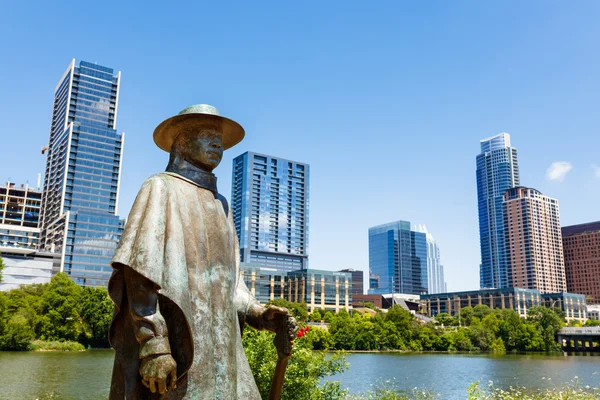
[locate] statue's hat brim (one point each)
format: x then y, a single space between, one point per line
193 117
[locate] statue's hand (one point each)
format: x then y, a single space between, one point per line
272 321
159 373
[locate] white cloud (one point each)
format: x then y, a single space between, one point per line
558 170
596 170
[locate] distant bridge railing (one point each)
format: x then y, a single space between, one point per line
587 331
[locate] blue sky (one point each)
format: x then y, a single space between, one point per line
387 101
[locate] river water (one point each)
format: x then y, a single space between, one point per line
86 375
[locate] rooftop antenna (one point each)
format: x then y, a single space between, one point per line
39 182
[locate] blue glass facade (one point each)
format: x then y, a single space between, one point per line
269 198
497 171
397 259
83 165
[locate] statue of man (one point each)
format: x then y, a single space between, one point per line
180 304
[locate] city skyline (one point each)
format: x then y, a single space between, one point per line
408 152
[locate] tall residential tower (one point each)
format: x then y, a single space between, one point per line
497 171
269 199
534 249
83 165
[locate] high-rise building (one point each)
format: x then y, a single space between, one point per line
357 280
19 216
83 166
534 251
398 257
435 269
497 171
581 245
270 210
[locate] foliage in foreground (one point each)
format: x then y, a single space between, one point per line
305 369
572 391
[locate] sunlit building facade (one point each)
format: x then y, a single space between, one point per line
398 258
270 210
497 171
435 269
83 167
534 250
318 289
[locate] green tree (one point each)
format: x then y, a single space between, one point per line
1 268
3 312
497 346
481 310
548 323
461 340
319 338
298 310
96 313
316 316
60 310
328 317
17 334
446 319
466 315
343 331
402 319
365 338
481 337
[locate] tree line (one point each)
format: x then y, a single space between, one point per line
57 311
63 311
480 328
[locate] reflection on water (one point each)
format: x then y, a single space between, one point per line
86 375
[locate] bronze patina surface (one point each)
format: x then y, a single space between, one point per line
180 305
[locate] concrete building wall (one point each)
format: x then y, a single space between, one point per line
25 267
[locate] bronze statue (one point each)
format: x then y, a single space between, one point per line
180 305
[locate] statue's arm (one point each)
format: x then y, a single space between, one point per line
248 308
150 327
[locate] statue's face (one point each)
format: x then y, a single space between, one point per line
204 149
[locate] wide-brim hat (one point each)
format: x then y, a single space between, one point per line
193 117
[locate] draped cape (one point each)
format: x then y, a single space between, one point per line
182 238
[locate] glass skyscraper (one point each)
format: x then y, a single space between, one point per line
397 259
497 171
83 166
435 269
269 198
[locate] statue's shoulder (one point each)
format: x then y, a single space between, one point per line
158 180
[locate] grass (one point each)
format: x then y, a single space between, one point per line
571 391
41 345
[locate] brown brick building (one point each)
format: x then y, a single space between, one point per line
581 245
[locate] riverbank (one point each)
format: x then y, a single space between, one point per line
41 345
